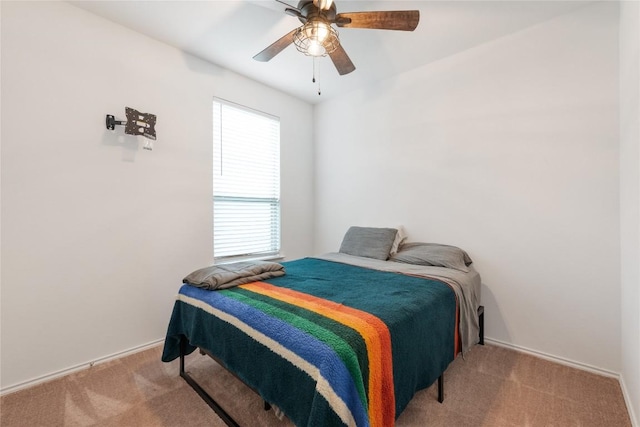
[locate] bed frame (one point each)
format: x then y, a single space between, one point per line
231 422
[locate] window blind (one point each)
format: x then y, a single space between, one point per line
246 182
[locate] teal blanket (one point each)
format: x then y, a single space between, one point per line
328 343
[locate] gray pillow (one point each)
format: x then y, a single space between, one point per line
368 242
433 254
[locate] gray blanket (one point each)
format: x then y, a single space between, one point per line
229 275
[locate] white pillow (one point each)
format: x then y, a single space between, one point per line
401 236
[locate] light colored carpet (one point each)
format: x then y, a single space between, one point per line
494 386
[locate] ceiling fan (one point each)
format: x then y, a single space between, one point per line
317 37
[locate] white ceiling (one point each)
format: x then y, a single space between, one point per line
230 32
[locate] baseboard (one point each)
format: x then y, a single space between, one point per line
76 368
627 400
552 358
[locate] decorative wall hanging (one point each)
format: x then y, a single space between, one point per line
137 124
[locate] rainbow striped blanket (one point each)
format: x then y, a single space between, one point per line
330 344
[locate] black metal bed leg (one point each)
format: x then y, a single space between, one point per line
201 392
481 322
441 388
182 352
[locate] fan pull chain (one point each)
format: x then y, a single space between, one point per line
316 71
319 92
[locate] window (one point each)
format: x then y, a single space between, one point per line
246 182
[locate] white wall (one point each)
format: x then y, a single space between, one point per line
630 200
97 233
509 150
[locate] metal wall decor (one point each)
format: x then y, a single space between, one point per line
137 124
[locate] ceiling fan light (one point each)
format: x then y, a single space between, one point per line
316 49
319 32
316 38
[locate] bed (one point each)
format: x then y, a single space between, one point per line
338 340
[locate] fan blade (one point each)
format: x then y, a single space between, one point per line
294 12
286 4
276 6
341 61
403 20
276 47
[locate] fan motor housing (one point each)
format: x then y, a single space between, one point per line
308 9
